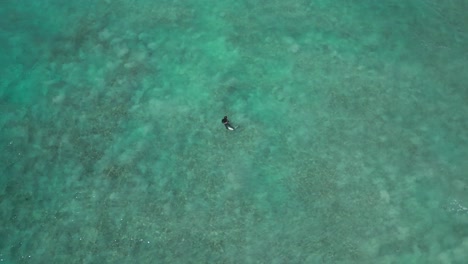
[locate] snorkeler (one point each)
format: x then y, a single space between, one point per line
226 123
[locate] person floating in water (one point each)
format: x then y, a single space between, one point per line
227 124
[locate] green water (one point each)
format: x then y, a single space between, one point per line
352 144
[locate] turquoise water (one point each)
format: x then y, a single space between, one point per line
351 148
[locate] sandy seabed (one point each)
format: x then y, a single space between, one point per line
351 146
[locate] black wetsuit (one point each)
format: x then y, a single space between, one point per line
226 123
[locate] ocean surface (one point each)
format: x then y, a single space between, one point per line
351 147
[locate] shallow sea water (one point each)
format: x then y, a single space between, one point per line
351 148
